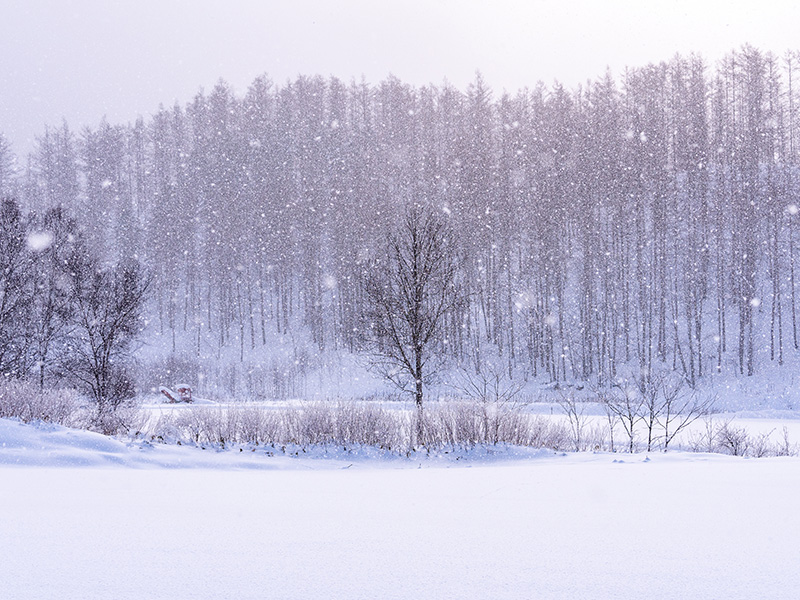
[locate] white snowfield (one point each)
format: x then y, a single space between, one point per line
84 517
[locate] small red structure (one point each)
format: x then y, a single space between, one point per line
184 393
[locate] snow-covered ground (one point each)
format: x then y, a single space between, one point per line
83 516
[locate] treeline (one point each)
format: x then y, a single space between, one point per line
630 224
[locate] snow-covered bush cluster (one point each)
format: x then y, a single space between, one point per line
446 424
471 423
724 437
28 402
351 423
24 401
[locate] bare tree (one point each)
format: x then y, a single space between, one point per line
6 166
731 439
488 382
15 291
52 305
611 418
575 410
626 402
655 389
411 291
108 305
680 408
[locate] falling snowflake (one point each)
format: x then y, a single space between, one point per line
40 241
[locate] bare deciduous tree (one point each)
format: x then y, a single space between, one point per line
6 166
108 304
15 291
575 410
411 291
488 382
625 401
53 301
681 407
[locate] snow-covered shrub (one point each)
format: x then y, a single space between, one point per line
206 425
27 402
356 423
125 418
726 438
319 423
574 409
508 424
211 425
364 423
189 425
544 433
165 429
785 447
732 440
464 424
449 424
313 424
596 438
705 440
761 446
258 425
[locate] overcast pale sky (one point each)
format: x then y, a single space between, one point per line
83 59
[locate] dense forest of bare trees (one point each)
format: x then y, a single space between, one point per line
633 224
